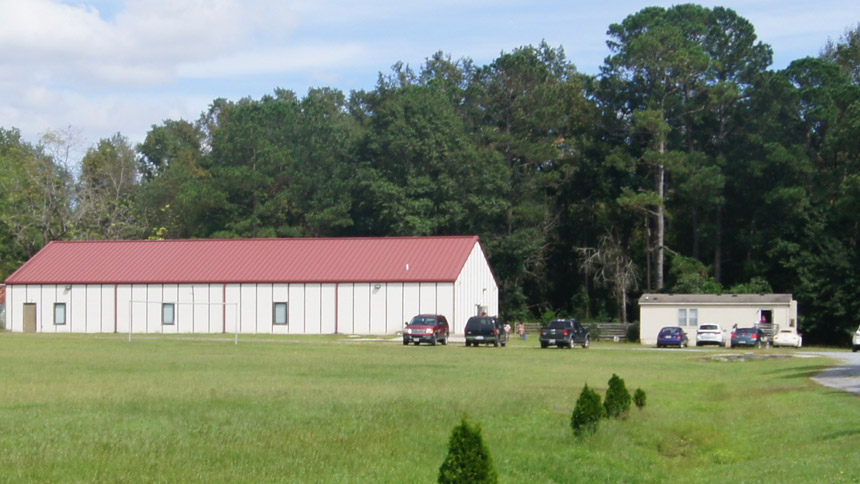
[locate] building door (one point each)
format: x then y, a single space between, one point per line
29 318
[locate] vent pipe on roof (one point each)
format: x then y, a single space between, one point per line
407 267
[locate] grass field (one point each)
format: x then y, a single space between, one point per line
338 410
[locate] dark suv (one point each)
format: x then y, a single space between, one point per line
486 330
564 333
426 328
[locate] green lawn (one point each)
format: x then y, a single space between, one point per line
336 409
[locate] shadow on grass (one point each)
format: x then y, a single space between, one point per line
794 373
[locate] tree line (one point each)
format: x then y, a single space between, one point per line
686 165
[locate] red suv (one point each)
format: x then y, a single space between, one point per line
426 328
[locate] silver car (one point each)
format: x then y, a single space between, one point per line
710 334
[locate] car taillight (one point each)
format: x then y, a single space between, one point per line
734 335
495 331
754 336
566 332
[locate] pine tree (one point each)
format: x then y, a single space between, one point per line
617 400
587 412
468 460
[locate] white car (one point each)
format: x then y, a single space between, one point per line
856 343
787 337
710 334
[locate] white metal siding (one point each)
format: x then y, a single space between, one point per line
394 307
313 314
327 311
361 309
297 309
411 298
475 287
378 309
345 304
445 300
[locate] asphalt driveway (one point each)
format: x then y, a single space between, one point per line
845 376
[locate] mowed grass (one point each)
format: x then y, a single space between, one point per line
338 410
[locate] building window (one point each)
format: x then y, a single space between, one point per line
694 317
279 313
682 317
167 313
60 313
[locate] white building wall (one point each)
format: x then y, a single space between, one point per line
345 303
327 311
313 314
445 299
108 308
296 309
378 308
265 296
475 287
411 298
281 294
93 311
394 307
361 309
427 298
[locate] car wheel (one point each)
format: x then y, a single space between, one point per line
854 349
682 345
570 344
544 345
433 341
445 341
405 342
587 343
496 344
758 345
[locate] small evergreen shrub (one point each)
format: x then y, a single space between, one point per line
594 332
633 332
639 398
617 400
587 412
468 459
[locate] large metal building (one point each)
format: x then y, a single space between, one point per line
260 286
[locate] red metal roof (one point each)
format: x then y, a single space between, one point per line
395 259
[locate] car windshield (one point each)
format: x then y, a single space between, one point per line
558 325
423 320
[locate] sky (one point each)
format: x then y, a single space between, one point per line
90 69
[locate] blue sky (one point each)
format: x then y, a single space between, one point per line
95 68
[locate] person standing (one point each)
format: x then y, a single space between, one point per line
507 332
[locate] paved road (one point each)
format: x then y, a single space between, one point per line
845 377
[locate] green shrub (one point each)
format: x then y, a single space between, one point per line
639 398
468 459
617 400
633 333
594 332
587 412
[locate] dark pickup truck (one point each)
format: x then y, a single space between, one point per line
564 333
485 330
